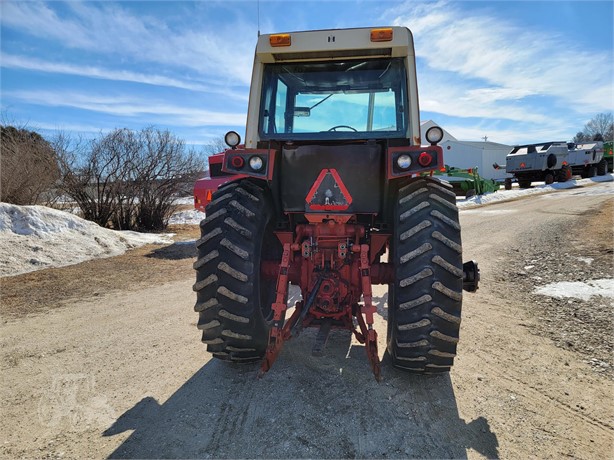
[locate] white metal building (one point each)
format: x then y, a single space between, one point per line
471 154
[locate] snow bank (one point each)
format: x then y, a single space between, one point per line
184 200
578 289
36 237
189 217
508 195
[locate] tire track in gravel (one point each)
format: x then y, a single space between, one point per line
537 395
235 418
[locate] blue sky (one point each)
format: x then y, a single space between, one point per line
516 72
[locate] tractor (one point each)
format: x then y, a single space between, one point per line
333 199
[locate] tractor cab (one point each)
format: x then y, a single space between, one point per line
342 98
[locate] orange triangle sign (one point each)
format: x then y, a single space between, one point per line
328 193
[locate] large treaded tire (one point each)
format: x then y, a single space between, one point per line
425 300
233 303
524 183
592 171
602 167
589 172
564 174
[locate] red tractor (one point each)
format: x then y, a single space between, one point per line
333 200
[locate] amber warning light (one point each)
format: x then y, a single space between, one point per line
381 35
280 40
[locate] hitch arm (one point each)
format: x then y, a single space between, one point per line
366 327
279 307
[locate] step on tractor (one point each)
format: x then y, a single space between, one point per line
332 199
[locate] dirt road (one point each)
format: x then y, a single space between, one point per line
114 368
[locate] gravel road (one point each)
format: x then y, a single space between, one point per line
120 372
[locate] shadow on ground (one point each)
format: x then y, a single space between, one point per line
176 251
305 407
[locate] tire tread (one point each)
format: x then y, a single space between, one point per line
424 314
227 283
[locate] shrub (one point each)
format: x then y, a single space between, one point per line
127 179
28 166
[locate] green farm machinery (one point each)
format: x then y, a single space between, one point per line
607 155
468 182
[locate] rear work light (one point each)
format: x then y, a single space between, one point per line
404 161
237 162
280 40
232 139
381 35
256 163
425 159
434 135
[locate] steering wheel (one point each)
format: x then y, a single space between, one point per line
334 128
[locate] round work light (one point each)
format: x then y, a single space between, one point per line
232 139
404 161
434 134
256 163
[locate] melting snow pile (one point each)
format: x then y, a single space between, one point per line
189 217
35 237
184 200
578 289
507 195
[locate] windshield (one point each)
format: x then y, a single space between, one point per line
334 100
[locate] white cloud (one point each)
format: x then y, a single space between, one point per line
224 52
511 62
130 106
36 18
524 134
28 63
195 137
457 98
65 127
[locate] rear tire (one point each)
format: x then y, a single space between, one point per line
233 303
508 183
592 171
602 167
564 174
549 178
524 183
424 312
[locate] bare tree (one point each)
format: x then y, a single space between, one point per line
127 179
580 137
600 127
162 166
28 166
215 146
93 174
